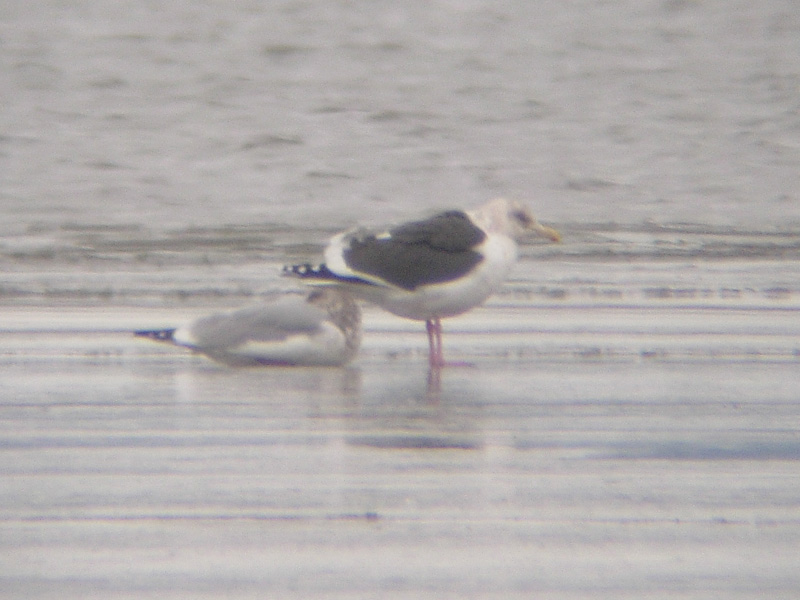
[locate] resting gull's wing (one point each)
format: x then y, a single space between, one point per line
323 328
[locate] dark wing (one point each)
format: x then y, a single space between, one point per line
435 250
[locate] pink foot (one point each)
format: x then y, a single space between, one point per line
435 354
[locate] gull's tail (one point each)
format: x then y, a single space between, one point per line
159 335
320 274
308 271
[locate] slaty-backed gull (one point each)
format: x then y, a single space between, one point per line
429 269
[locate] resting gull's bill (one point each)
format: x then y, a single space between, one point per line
321 329
429 269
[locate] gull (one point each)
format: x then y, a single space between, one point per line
320 329
429 269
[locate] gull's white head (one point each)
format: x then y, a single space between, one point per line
511 218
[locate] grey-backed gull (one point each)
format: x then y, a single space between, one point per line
320 329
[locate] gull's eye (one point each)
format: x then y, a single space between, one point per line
522 217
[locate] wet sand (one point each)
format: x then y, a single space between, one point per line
637 443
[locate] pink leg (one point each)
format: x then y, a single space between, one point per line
435 353
439 348
429 327
435 347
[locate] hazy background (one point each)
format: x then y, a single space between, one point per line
190 113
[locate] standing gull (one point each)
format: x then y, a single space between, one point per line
431 269
321 329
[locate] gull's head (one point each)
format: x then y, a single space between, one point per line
343 312
511 218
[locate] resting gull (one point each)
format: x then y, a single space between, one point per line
321 329
429 269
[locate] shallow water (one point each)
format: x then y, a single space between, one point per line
592 448
629 424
